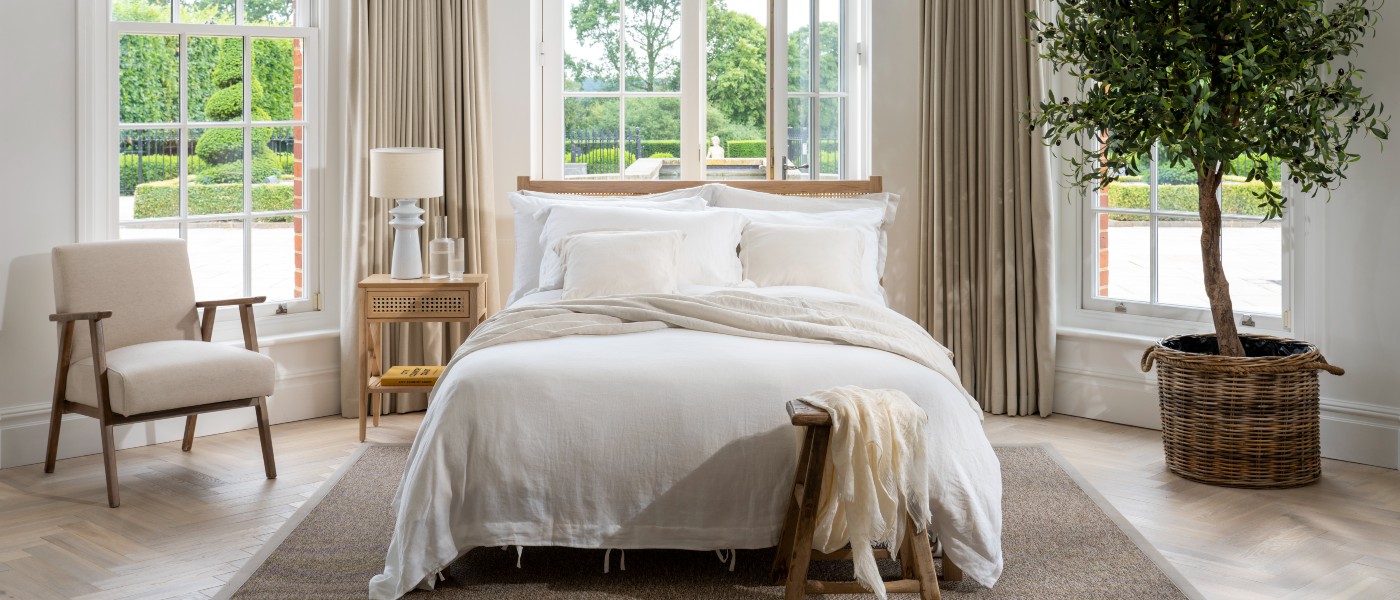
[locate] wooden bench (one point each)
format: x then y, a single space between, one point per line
795 551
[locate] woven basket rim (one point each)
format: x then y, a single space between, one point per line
1309 360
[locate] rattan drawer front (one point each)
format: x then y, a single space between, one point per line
419 305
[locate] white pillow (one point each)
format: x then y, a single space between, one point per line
827 257
865 220
730 197
709 254
529 224
608 263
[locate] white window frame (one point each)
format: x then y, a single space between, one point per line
1129 310
856 87
99 124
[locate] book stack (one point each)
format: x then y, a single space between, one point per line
424 376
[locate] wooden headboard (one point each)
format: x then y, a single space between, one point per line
834 188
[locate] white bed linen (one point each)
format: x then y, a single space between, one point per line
660 439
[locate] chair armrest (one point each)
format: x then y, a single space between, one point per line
82 316
231 302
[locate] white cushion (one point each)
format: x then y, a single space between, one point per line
156 376
609 263
729 197
866 221
709 253
529 223
827 257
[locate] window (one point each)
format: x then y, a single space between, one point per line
213 124
1143 252
688 89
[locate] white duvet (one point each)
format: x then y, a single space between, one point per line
670 438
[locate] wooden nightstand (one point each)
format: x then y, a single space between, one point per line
386 300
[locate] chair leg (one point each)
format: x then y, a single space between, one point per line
109 462
55 423
189 434
265 436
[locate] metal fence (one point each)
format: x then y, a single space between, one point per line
154 155
578 143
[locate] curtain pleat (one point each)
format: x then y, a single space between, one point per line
417 77
986 224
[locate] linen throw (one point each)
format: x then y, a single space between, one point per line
417 76
877 472
985 284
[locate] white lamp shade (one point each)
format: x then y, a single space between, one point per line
405 172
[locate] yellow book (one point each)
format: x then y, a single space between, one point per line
425 376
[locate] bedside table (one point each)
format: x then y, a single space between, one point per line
386 300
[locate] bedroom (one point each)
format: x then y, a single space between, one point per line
970 229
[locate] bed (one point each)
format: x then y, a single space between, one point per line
673 436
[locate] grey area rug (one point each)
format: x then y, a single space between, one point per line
1061 540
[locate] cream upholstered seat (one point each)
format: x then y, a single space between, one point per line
154 376
146 354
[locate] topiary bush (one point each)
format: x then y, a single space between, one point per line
162 198
265 165
225 144
746 149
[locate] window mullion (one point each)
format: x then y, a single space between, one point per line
183 132
622 89
814 148
1154 273
247 161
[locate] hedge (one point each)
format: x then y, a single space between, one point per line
162 198
746 149
152 167
650 148
1236 198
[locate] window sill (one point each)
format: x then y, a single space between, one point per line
1098 325
279 329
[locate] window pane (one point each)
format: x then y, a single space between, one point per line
591 45
216 79
1253 255
141 11
149 78
275 70
737 87
207 12
653 46
1123 257
1239 197
831 112
270 12
148 162
799 44
149 231
216 258
653 137
216 178
278 257
277 164
590 137
1176 184
829 37
1180 282
798 133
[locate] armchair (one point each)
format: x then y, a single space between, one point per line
146 355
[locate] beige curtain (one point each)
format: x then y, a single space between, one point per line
985 283
417 75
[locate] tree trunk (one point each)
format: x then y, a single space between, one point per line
1222 310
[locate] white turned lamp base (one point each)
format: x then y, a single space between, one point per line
408 250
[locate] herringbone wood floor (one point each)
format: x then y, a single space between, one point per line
188 521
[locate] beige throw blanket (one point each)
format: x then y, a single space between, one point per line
878 472
728 312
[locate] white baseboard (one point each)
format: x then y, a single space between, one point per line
1351 431
24 429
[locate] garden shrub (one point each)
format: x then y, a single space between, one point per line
662 155
264 165
1236 198
650 148
746 149
604 160
224 145
162 198
136 170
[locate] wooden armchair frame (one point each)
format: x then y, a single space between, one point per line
107 419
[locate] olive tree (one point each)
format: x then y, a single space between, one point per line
1209 82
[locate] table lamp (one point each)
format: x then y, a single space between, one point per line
406 174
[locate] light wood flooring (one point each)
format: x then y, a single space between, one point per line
188 521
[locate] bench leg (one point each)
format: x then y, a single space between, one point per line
922 559
801 555
784 554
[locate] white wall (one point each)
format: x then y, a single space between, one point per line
1345 258
38 115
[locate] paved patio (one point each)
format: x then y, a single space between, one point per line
1253 263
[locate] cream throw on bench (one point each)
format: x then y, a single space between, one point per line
878 470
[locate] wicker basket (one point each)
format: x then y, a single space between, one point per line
1247 422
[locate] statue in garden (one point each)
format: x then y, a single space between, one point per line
716 151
